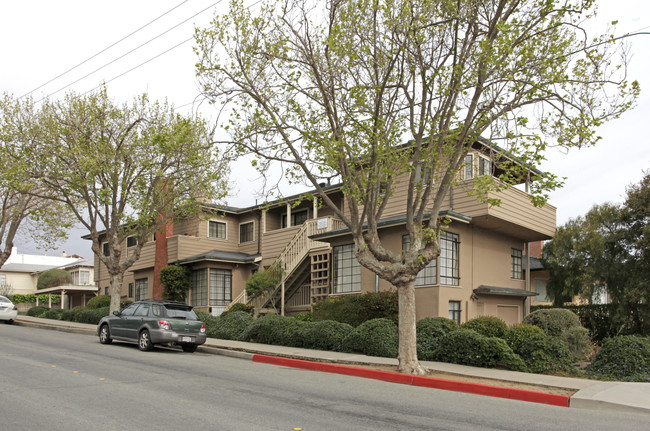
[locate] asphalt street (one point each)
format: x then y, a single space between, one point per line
63 381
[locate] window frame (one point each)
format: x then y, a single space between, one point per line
424 277
482 161
141 285
241 225
105 250
133 239
199 293
225 230
219 291
345 278
516 264
449 265
283 220
468 172
455 313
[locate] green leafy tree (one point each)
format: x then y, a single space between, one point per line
333 89
176 281
124 170
52 278
21 210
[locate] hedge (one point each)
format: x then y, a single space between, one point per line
325 335
553 321
376 337
230 326
30 298
274 329
356 309
429 330
625 358
37 310
488 326
468 347
92 316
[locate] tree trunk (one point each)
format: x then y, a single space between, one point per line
408 352
116 290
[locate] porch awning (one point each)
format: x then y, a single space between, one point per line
221 256
493 290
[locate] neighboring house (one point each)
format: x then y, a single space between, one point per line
480 270
19 275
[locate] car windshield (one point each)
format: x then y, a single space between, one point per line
181 313
3 299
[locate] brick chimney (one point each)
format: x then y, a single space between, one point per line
161 258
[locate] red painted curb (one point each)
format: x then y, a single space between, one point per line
428 382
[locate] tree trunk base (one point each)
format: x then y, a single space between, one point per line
413 368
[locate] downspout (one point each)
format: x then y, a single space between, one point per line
528 299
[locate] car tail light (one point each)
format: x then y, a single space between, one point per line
16 308
202 329
164 324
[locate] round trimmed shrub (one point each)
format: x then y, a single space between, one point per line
37 310
553 321
429 330
274 329
92 315
578 341
519 333
625 358
54 313
376 337
468 347
230 326
98 302
72 314
488 326
325 335
543 353
238 306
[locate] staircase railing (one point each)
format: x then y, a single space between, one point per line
296 250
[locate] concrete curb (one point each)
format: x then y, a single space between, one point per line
428 382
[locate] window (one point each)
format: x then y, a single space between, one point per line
3 280
454 311
449 247
130 290
297 218
141 288
143 310
216 229
106 290
246 232
81 277
128 311
347 271
539 284
516 268
428 275
220 287
484 167
469 166
199 288
105 249
131 241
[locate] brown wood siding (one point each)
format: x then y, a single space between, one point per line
517 208
274 242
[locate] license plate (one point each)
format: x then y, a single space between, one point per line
186 339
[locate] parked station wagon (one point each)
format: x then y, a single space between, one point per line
150 322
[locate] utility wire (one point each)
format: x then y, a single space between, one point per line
135 49
104 50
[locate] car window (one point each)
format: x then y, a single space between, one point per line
143 310
3 299
181 313
128 311
157 310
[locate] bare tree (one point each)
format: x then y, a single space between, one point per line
124 170
373 90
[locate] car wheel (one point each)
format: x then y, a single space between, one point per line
144 341
189 348
105 335
9 322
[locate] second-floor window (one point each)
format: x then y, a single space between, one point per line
449 255
516 264
246 232
428 275
469 167
81 277
131 241
216 229
297 218
484 167
347 271
105 249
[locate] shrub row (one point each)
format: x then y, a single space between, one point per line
30 298
625 358
356 309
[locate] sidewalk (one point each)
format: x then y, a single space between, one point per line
590 394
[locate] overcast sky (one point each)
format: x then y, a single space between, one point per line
42 39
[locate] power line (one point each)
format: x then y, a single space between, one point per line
104 50
135 49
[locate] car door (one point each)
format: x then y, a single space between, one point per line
133 323
118 323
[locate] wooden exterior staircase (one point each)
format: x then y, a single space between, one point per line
297 264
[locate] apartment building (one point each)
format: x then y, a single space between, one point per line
481 269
